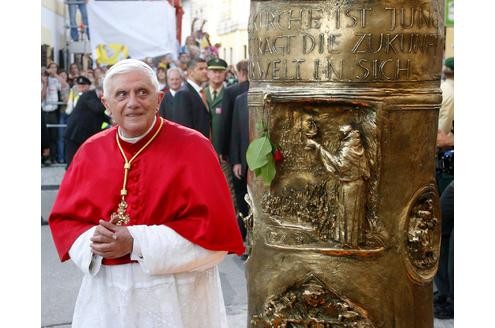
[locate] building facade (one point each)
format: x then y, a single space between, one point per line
226 23
53 33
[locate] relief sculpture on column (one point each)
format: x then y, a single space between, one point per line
327 201
311 303
422 235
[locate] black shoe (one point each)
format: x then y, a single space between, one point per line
46 162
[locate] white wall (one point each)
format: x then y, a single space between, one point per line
54 24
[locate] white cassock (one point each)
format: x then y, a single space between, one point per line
174 284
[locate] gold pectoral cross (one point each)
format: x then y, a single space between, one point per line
120 217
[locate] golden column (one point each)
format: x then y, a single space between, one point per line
348 232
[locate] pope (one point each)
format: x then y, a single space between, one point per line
144 211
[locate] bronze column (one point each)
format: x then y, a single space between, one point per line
347 234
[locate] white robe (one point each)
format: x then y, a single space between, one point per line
174 284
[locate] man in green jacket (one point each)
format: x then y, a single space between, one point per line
217 69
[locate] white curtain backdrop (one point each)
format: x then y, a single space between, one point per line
147 28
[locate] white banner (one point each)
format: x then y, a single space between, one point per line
146 28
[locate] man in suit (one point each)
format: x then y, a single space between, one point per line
87 119
190 106
228 106
239 142
174 83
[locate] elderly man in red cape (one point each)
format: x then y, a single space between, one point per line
145 212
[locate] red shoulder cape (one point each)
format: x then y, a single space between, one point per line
176 181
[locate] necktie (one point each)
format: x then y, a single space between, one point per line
214 95
203 97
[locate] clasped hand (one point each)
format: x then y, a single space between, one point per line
111 241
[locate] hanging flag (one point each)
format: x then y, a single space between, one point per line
140 28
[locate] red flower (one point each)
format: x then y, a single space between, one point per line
278 156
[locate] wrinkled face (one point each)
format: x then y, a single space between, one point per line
174 80
199 73
132 102
216 76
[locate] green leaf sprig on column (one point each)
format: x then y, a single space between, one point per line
259 158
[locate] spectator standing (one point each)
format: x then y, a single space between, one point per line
229 97
214 95
190 106
161 75
99 75
189 43
90 74
174 82
239 142
73 6
148 248
184 59
64 94
230 78
74 72
446 113
45 141
86 120
52 88
443 299
82 84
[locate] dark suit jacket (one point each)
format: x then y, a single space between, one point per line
190 111
86 118
228 109
167 106
239 139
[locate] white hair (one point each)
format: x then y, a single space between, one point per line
176 69
128 65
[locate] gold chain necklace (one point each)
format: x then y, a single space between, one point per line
121 217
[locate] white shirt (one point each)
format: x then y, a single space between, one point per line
195 86
175 284
50 103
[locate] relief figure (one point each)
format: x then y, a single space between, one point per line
350 166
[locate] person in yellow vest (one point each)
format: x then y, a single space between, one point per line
82 84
